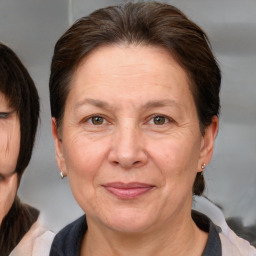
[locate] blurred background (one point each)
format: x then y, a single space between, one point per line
32 27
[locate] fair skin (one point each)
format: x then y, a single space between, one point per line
9 152
131 146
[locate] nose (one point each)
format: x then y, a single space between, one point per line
127 149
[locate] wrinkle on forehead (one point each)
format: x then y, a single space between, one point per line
142 66
134 66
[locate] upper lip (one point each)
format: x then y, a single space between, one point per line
129 185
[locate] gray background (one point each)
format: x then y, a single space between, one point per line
31 28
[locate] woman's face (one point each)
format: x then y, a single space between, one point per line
130 141
9 152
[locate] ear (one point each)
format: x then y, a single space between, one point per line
207 144
58 148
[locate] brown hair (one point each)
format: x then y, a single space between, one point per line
20 91
144 23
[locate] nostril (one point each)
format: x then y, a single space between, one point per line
115 162
136 163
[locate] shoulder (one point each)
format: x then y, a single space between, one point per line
68 240
231 243
71 230
235 245
36 242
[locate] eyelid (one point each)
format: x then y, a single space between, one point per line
5 115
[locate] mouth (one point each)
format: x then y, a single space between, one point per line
128 190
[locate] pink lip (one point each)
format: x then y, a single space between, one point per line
128 190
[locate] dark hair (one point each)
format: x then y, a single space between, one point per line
20 91
15 225
144 23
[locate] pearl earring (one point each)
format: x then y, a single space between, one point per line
62 175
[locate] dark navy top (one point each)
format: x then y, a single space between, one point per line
68 241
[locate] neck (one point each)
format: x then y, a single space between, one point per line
183 238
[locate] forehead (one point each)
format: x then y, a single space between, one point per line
118 60
126 71
4 101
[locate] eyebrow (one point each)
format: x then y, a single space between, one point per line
160 103
148 105
96 103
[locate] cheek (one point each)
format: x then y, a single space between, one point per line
84 156
84 159
9 151
177 159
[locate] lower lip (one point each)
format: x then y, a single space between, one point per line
128 193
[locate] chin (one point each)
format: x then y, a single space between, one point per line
128 227
129 221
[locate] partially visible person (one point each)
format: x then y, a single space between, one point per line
19 114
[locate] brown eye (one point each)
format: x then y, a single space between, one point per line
97 120
159 120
